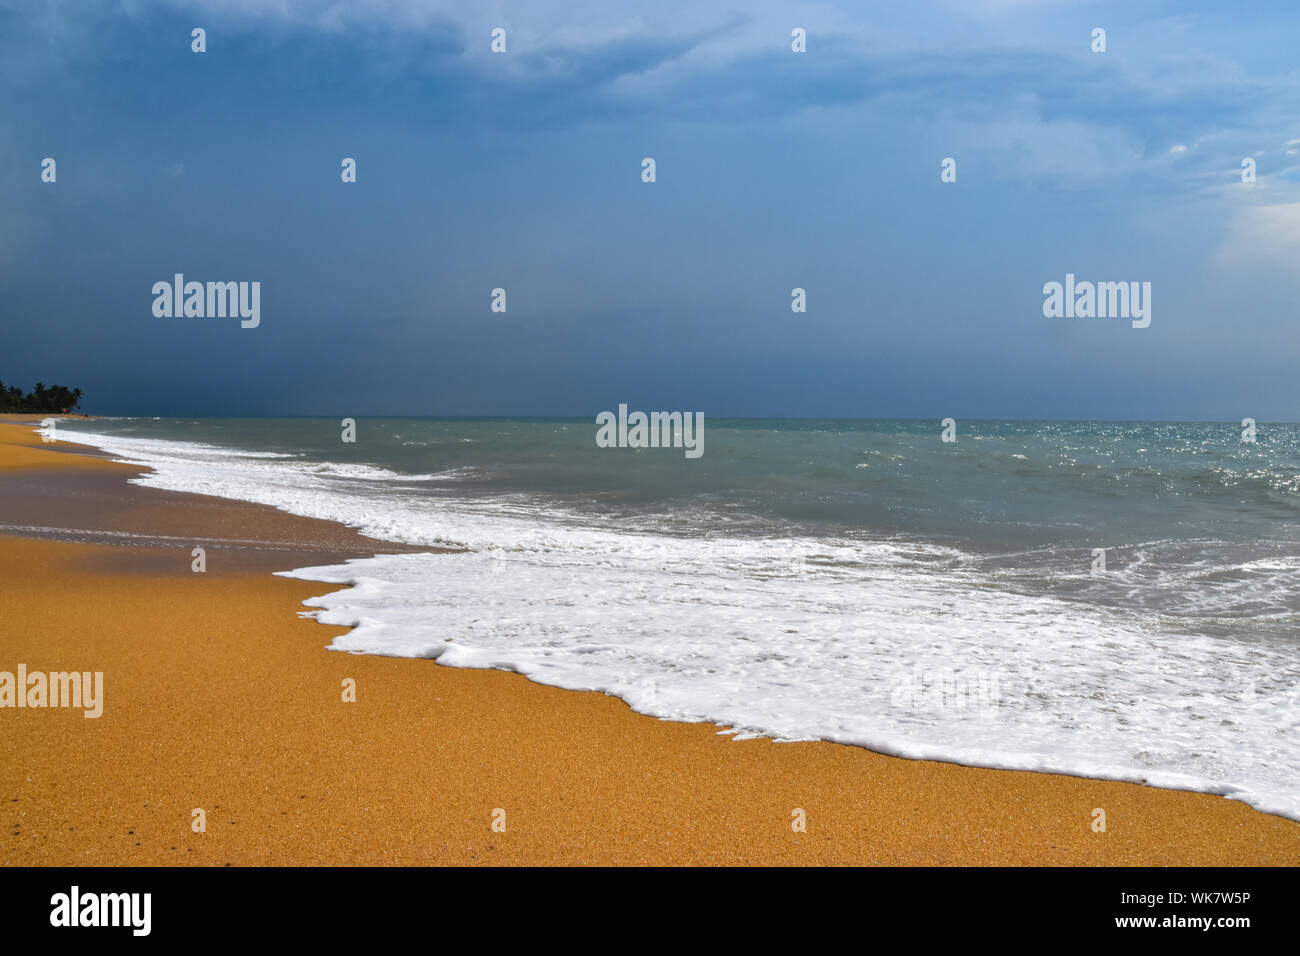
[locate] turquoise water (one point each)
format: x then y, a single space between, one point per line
1191 517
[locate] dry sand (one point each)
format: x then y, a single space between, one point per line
219 696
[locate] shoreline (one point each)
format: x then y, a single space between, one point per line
218 696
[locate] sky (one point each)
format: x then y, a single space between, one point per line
775 170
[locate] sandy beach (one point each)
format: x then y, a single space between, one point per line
220 696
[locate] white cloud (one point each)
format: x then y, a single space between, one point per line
1265 238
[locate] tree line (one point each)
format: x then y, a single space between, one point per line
43 398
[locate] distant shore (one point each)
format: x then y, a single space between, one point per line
219 697
21 417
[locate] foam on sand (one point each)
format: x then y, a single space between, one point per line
855 641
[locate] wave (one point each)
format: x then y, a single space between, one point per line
903 646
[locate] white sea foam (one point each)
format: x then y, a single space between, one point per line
795 638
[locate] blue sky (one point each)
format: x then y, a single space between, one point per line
775 170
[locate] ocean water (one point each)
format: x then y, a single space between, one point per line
855 581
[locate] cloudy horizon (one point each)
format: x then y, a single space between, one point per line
775 170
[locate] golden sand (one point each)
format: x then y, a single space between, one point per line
219 696
21 448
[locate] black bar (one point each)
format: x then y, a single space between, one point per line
438 906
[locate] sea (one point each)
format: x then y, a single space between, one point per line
1118 600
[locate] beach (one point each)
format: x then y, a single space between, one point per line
220 696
